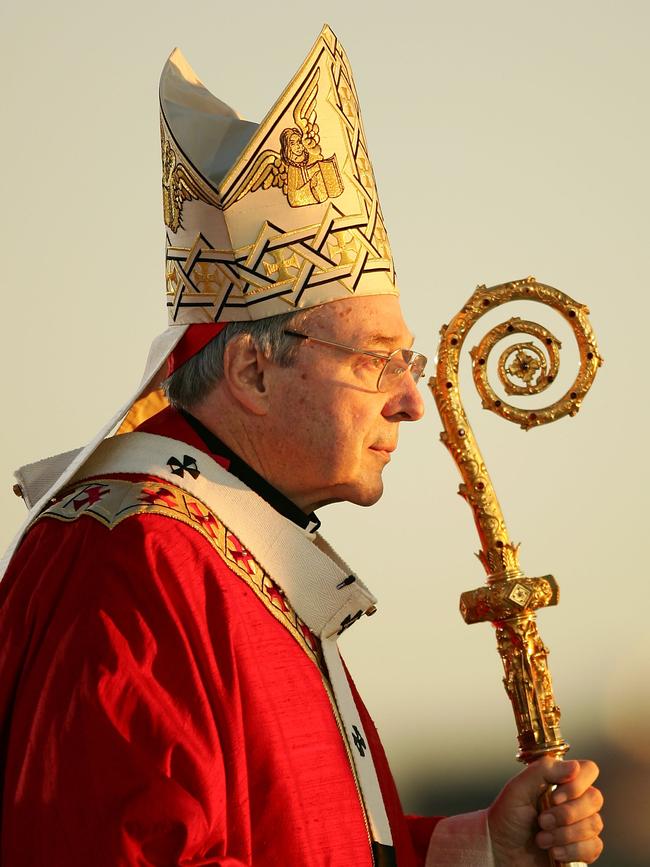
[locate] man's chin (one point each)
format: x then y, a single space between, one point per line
368 496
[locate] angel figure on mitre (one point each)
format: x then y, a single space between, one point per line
299 169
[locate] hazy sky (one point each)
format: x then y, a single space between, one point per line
508 138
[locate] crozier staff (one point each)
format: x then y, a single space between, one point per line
171 690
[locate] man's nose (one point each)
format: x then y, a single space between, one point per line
406 403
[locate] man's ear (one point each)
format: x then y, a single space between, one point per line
245 374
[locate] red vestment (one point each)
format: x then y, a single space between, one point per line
155 712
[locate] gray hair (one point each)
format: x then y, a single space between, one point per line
191 383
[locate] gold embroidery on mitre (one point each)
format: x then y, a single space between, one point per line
295 219
344 248
180 183
280 266
305 177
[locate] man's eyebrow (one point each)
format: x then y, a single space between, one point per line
384 340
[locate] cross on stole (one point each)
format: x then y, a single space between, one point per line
359 742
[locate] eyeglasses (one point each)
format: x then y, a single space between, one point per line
395 365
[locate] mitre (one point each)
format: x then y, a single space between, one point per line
269 218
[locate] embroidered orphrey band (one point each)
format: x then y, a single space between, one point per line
110 501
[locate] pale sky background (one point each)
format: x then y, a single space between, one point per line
508 138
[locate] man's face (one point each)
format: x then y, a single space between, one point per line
333 431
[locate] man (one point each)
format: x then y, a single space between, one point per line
172 691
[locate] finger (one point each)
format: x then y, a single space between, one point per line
588 804
586 851
573 786
584 830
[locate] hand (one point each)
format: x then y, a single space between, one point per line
569 829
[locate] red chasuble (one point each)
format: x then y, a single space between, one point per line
157 710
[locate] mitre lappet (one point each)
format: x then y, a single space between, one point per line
261 219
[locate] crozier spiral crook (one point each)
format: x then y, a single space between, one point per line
524 369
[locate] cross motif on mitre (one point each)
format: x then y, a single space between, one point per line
346 247
281 265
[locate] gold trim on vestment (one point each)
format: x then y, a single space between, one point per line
111 501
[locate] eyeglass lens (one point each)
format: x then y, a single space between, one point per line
402 361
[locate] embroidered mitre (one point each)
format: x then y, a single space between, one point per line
269 218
